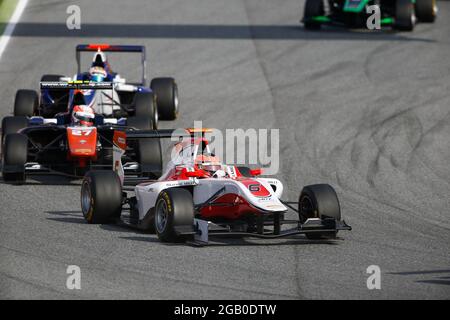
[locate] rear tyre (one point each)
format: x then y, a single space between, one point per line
101 196
150 157
140 123
15 153
166 91
52 101
51 77
12 125
174 211
148 151
313 8
405 17
145 107
319 201
426 10
26 103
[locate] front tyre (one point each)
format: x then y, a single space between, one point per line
174 212
319 201
15 154
101 197
12 125
166 91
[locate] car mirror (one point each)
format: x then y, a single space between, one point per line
256 172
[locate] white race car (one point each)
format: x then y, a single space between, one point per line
198 197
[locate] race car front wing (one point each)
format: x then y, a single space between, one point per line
203 229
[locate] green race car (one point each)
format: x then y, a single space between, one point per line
399 14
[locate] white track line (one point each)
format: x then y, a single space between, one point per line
11 25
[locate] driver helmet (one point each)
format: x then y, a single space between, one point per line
83 115
97 74
208 163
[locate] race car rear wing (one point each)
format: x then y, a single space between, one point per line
94 47
120 143
121 136
75 85
107 47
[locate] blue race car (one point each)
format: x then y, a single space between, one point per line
154 102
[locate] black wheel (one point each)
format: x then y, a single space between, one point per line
166 91
148 151
145 107
57 103
101 196
15 153
174 211
405 17
12 125
139 123
26 103
426 10
150 157
51 77
319 201
313 8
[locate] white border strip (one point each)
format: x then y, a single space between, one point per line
11 25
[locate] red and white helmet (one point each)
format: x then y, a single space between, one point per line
208 163
83 116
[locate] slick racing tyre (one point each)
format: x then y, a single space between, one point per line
174 212
148 150
405 17
313 8
15 153
166 91
150 157
101 196
51 77
26 103
426 10
12 125
319 201
140 123
145 107
54 101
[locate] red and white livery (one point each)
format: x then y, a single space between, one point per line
198 196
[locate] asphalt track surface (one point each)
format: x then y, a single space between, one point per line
365 112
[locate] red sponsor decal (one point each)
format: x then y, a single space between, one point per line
82 141
120 139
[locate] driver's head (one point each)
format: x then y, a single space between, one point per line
83 115
97 74
208 163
